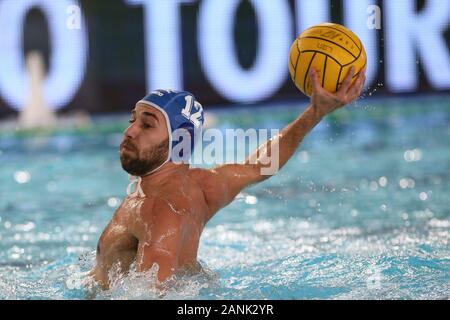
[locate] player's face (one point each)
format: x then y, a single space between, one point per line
145 144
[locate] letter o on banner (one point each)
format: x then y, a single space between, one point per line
68 57
217 54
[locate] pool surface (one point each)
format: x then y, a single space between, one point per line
362 211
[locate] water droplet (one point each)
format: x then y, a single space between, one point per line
22 177
113 202
423 196
411 183
406 183
382 181
412 155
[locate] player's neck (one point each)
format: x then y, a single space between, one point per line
163 173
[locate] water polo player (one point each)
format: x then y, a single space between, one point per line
168 204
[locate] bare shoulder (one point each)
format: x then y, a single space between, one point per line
206 178
156 206
180 197
200 174
157 213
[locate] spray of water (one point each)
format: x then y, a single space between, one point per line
137 285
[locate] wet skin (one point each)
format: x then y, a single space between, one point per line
164 226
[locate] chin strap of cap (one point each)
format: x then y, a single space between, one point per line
138 180
138 192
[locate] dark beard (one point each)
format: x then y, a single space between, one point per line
152 160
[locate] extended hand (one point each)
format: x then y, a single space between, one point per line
324 102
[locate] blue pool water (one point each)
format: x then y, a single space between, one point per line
362 211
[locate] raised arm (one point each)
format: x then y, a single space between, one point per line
228 180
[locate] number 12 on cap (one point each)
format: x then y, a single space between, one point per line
187 111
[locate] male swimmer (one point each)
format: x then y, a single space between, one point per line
162 220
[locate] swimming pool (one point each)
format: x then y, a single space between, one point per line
362 211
